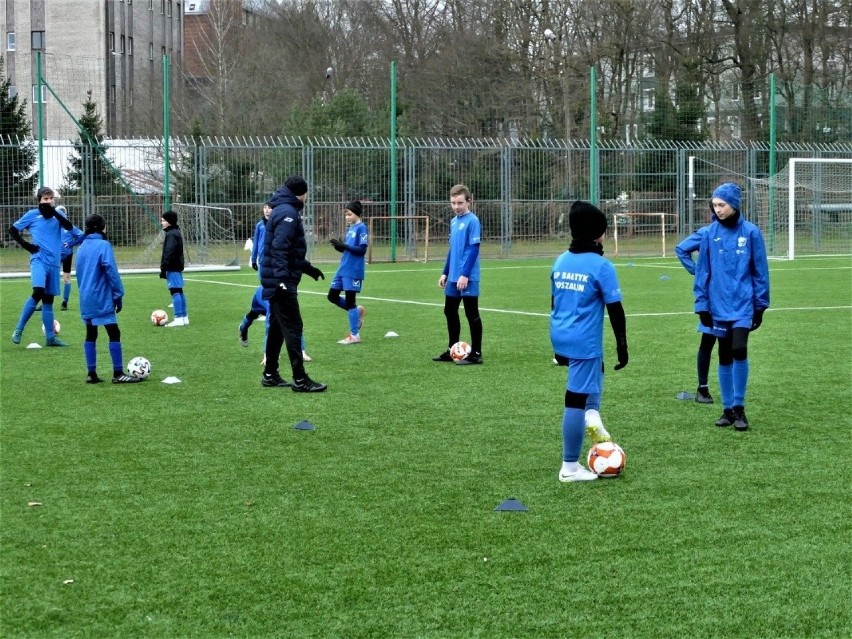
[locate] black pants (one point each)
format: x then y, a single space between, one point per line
285 327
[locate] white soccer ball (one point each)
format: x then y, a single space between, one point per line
459 351
606 459
139 367
56 327
159 317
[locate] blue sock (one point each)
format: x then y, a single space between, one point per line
572 434
593 401
353 320
91 356
176 303
740 381
47 320
244 325
726 385
304 344
115 355
183 305
66 292
26 313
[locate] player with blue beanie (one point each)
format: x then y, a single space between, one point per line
731 294
583 282
101 295
44 225
350 274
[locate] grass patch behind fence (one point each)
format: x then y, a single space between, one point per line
197 510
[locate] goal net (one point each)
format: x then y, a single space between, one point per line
209 238
806 208
404 238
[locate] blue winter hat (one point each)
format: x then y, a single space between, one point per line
728 193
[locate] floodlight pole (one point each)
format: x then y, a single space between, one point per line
40 115
393 184
167 195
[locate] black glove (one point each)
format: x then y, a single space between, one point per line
32 248
254 265
314 272
162 275
757 320
47 211
117 303
560 360
705 318
338 245
621 350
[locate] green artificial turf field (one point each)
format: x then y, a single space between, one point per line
197 510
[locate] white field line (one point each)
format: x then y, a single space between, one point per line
507 311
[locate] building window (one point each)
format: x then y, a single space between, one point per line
112 41
112 93
121 44
10 41
150 5
13 91
130 96
150 50
162 52
648 100
177 10
162 7
38 40
169 5
129 46
43 94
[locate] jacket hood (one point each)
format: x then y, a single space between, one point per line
284 196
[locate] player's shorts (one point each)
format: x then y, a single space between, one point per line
585 376
102 320
46 277
66 263
174 279
472 290
715 330
346 283
257 307
727 327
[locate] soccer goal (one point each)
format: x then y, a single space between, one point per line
806 208
401 238
209 236
640 233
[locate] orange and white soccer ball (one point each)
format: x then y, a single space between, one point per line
159 317
606 459
56 327
459 351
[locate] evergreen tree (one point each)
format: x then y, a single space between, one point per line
17 177
90 171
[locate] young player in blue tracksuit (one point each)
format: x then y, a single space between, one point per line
44 225
709 334
350 274
258 240
171 267
460 278
583 282
101 294
732 292
259 306
70 239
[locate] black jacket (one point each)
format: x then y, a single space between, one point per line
172 259
284 245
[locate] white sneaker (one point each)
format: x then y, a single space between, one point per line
581 474
305 357
595 428
350 339
178 321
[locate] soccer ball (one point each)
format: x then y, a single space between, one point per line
56 327
139 367
159 318
606 459
459 351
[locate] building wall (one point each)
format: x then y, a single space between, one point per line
113 47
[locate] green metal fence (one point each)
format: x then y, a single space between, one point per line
521 189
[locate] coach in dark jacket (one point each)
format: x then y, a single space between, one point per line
280 273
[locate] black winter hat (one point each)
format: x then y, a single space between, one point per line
297 185
355 207
587 221
95 223
170 217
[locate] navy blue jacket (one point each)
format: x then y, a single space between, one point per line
284 246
